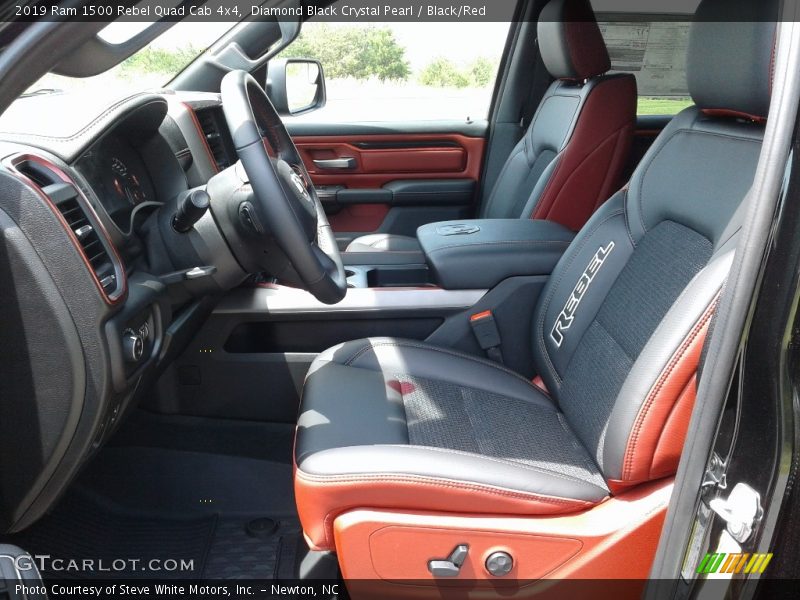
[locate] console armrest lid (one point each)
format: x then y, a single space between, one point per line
480 253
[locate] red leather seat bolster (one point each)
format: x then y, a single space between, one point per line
656 440
321 499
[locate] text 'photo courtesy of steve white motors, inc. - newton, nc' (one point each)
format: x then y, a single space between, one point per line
166 591
234 10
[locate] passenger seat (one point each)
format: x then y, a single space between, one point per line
571 158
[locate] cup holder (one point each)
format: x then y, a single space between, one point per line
387 276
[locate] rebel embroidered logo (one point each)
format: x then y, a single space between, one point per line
567 314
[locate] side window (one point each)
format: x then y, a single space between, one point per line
403 71
655 52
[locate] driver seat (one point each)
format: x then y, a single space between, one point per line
407 428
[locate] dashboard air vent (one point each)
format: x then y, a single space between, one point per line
212 122
93 247
65 197
38 174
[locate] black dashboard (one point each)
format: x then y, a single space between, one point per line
97 294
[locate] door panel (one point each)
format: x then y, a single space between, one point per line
356 218
392 178
366 209
379 159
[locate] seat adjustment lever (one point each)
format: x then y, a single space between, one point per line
450 566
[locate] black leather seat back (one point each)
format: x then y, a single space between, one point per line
571 157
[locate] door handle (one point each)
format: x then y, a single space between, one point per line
346 162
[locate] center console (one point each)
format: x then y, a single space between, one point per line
464 255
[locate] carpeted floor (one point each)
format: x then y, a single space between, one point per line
202 491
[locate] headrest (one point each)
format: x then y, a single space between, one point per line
570 41
730 58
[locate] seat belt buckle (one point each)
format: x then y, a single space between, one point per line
485 330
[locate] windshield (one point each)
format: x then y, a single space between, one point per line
153 66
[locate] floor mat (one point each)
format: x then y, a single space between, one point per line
120 544
176 482
181 488
236 554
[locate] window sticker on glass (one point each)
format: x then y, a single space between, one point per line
655 52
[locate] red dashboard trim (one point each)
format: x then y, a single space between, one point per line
12 163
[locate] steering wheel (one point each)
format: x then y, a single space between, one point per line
284 196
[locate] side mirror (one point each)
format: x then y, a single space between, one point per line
295 85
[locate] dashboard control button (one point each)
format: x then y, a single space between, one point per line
132 345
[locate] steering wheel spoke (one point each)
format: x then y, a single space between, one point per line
282 189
